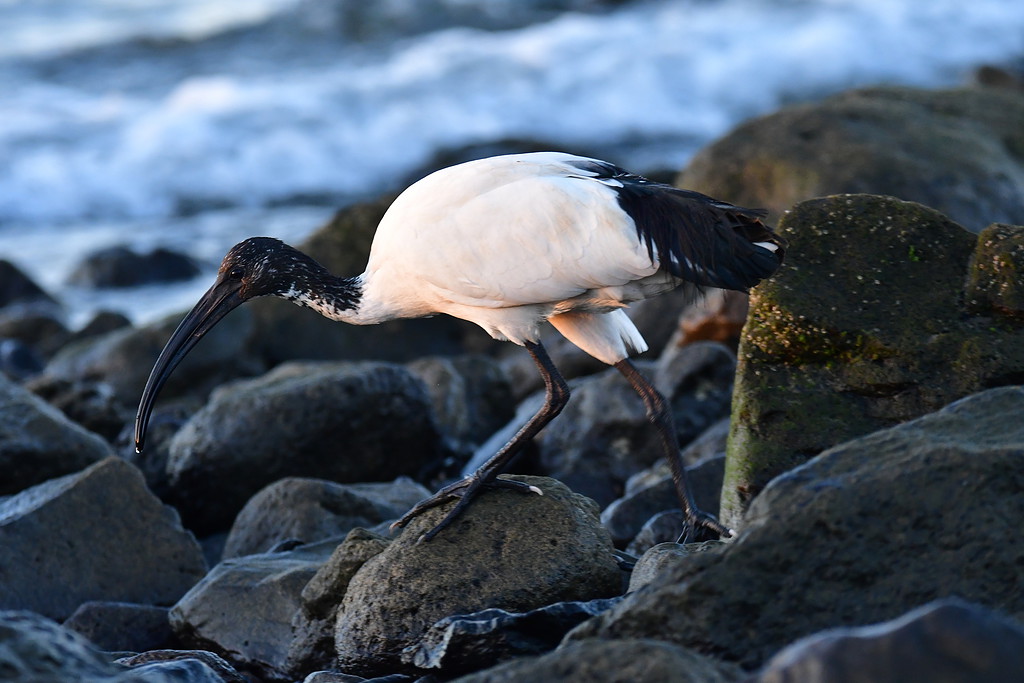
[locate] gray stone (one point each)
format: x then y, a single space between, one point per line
348 422
612 661
510 550
95 535
37 442
954 150
243 609
864 327
179 666
119 266
310 510
860 534
663 555
121 626
18 288
312 645
946 640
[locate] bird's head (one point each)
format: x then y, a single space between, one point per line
258 266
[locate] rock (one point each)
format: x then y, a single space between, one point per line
187 666
123 358
40 330
121 626
87 403
994 283
18 361
718 316
38 443
626 516
119 266
102 323
509 550
658 557
611 661
952 150
471 395
860 534
603 436
167 418
287 332
348 422
33 648
462 642
864 327
95 535
946 640
311 510
312 645
18 288
243 608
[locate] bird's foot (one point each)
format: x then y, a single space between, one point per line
465 491
701 526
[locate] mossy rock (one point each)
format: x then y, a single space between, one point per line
960 151
995 284
864 327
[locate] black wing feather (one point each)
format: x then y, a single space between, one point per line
693 236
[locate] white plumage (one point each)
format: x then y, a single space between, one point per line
508 243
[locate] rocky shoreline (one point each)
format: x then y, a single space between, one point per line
863 433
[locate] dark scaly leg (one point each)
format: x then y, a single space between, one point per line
697 523
466 490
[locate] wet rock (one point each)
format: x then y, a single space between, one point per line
471 395
864 327
610 661
312 645
33 648
860 534
243 608
187 666
168 417
87 403
120 266
509 550
18 288
666 554
464 642
37 442
603 436
95 535
18 361
626 516
952 150
40 330
123 358
311 510
349 422
121 626
946 640
995 285
287 332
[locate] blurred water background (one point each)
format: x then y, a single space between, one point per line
191 124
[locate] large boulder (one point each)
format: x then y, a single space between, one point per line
860 534
957 151
511 550
309 510
243 608
38 443
95 535
946 640
865 326
347 422
124 357
120 266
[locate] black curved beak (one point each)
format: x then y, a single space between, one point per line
218 301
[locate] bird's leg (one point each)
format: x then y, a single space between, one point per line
466 490
697 522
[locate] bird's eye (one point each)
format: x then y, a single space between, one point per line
236 273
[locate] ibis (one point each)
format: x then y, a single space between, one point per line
509 243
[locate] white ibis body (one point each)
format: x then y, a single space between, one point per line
509 243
